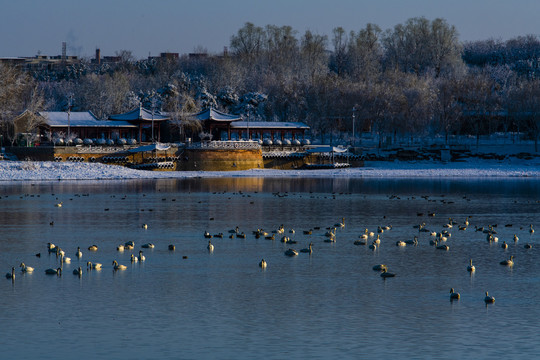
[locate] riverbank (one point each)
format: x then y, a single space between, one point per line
479 168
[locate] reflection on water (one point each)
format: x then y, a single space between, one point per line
192 304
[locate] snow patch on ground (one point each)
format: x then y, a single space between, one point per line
29 170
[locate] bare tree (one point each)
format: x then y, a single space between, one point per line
526 107
447 109
181 110
339 57
30 121
247 43
313 53
14 86
365 52
421 45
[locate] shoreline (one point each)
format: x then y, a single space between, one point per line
15 171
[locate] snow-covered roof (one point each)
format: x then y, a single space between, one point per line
269 125
79 119
215 115
140 114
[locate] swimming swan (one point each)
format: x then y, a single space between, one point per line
454 295
25 268
116 266
308 250
471 267
380 267
489 299
11 275
385 274
94 266
508 262
291 252
54 271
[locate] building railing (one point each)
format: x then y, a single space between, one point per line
226 145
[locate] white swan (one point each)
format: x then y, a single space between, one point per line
442 247
120 248
341 224
309 249
148 246
331 233
94 266
134 259
380 267
413 241
54 271
262 264
78 253
25 268
116 266
65 259
489 299
508 262
210 247
11 275
93 248
291 252
471 267
454 295
141 256
78 271
59 251
400 243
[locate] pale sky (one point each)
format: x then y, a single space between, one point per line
153 26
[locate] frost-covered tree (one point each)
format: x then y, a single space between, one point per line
365 53
248 42
421 45
338 60
16 90
314 60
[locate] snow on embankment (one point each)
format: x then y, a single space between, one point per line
26 170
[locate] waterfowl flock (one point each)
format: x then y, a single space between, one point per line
373 239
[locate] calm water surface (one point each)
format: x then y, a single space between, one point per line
330 304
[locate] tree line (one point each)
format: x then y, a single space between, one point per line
413 80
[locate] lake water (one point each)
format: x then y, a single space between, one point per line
329 304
